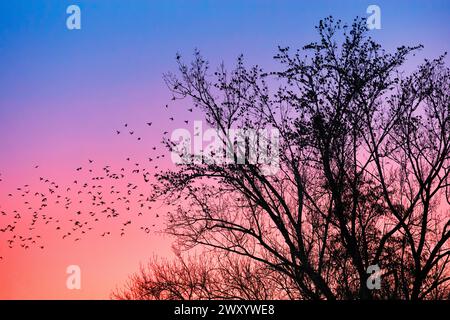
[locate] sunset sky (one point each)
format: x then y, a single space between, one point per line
64 93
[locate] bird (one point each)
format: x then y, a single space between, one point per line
86 190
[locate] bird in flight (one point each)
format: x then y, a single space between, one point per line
103 193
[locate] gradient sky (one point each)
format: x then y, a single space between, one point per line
64 93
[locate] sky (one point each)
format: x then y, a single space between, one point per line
64 93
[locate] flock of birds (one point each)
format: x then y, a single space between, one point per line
96 194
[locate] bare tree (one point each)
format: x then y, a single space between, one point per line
205 277
364 155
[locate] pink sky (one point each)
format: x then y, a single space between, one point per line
64 93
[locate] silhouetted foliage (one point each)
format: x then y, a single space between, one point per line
363 179
206 277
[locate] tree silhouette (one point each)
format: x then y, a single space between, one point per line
206 277
363 179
